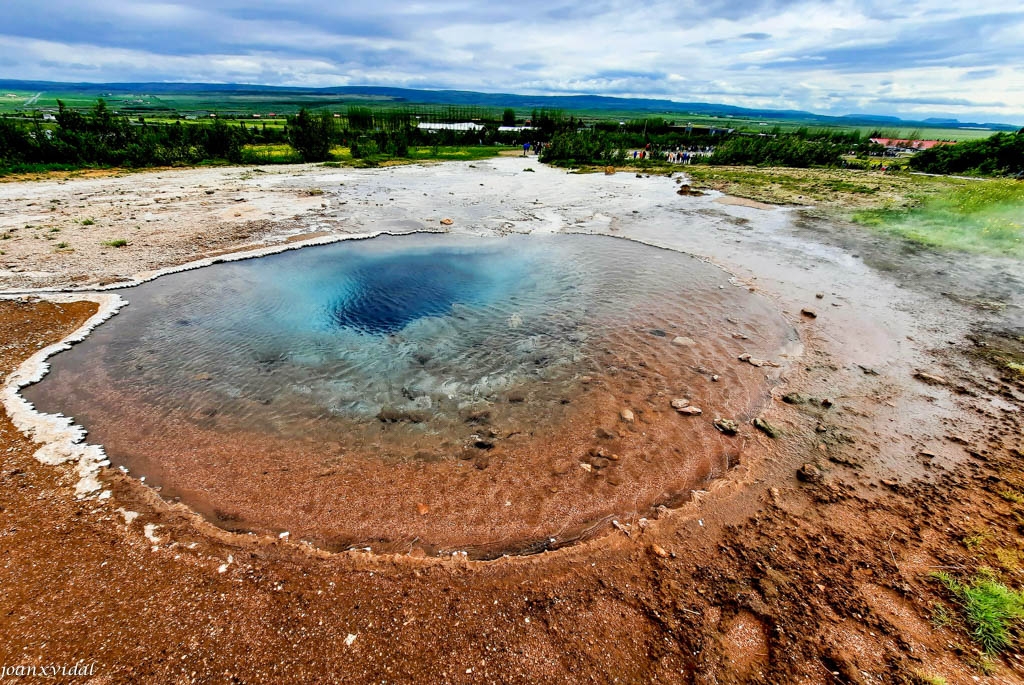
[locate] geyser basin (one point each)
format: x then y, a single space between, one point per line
425 392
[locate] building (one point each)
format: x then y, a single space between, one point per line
897 145
462 126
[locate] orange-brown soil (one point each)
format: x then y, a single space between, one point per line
763 579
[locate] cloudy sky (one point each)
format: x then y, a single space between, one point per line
915 58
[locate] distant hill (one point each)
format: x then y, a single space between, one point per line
598 103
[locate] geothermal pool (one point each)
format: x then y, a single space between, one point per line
426 393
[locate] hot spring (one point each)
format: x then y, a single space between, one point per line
426 393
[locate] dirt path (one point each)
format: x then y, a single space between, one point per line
765 578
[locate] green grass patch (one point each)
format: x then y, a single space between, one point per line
120 242
455 152
980 216
992 610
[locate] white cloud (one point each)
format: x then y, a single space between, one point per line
921 58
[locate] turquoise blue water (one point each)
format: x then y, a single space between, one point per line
330 390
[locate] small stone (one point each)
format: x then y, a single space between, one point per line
627 415
657 332
809 473
349 640
615 478
422 509
446 222
726 426
794 398
930 378
600 463
586 467
683 341
809 313
684 407
820 296
660 552
753 361
603 434
714 378
766 428
827 402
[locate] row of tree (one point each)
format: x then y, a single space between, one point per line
1001 154
101 138
800 148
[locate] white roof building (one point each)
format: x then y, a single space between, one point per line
464 126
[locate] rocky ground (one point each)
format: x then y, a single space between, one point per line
898 454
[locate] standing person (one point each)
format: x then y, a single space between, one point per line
526 148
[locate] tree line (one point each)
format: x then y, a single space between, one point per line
999 155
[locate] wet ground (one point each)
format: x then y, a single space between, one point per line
764 577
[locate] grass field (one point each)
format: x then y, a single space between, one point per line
169 107
978 216
973 215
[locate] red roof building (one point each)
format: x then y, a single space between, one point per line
910 144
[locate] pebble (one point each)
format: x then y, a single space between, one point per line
660 552
809 313
627 415
726 426
809 473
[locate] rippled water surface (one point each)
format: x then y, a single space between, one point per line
437 390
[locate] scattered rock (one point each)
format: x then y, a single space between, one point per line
754 361
657 332
714 378
602 434
930 378
446 222
827 402
516 398
683 341
392 415
727 426
820 296
794 398
766 428
600 462
809 313
627 415
586 467
809 473
684 407
867 370
659 551
422 509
